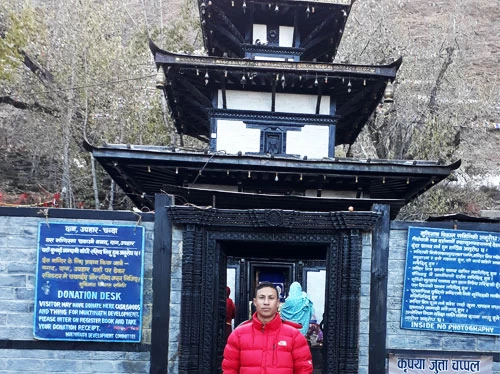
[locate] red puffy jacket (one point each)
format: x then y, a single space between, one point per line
277 347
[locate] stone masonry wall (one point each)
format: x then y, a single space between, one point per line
175 300
19 351
364 318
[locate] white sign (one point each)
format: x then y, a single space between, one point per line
438 364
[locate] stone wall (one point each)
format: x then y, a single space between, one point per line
175 301
19 351
364 312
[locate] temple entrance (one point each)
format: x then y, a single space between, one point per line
249 263
322 251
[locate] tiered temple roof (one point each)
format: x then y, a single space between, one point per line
270 53
318 27
190 81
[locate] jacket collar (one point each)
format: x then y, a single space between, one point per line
274 324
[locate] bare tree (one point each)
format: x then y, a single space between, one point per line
436 95
73 69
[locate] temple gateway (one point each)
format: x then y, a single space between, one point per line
267 197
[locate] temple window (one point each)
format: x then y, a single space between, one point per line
273 35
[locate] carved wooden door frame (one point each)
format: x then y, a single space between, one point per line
202 315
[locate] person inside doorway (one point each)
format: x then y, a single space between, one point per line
265 342
298 307
230 312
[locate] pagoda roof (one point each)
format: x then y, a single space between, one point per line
226 25
189 83
254 182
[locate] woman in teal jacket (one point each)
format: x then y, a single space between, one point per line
298 307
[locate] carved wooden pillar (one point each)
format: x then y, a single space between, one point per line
351 267
333 326
190 301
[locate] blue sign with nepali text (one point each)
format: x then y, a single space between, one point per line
89 282
452 281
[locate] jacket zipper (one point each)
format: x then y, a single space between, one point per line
274 354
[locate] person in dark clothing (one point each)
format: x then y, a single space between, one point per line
322 324
230 312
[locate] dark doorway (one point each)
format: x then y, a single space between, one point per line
280 263
250 263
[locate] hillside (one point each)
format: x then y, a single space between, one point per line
480 144
483 47
475 27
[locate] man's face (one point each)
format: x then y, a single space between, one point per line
266 302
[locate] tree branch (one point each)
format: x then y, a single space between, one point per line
28 106
44 75
47 79
433 105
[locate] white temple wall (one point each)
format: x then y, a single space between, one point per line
286 36
312 141
244 100
234 136
259 33
269 58
285 103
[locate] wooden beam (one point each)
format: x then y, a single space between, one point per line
316 41
162 254
317 31
222 16
378 291
224 98
318 100
193 90
273 96
227 34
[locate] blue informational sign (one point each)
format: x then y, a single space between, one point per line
452 281
89 282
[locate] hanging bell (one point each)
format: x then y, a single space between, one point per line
160 79
389 93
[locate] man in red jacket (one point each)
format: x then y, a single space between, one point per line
266 344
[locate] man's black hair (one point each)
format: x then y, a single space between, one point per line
264 285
